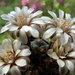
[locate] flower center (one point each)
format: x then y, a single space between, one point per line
64 25
21 20
9 57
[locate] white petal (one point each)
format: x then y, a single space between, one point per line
73 31
64 38
2 53
24 47
73 37
27 59
18 10
69 65
60 62
49 33
5 28
72 46
15 71
16 44
8 47
73 20
52 14
54 56
24 10
59 30
68 16
73 26
1 63
25 52
34 32
17 52
71 54
45 18
21 62
1 73
25 28
13 13
68 47
5 69
38 21
63 70
6 17
61 14
6 41
14 34
37 27
36 13
30 10
13 27
23 36
50 51
50 26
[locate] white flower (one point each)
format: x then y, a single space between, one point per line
23 21
13 57
64 55
60 27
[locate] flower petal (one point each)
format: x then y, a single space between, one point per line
36 13
1 63
71 54
73 30
18 10
6 17
69 65
30 10
14 34
68 16
5 28
54 56
37 27
34 32
63 70
23 36
8 47
17 52
5 41
21 62
25 52
61 14
52 14
60 62
49 52
27 59
5 69
1 67
73 37
73 20
13 13
37 21
25 28
73 26
59 30
16 44
47 19
49 33
13 27
2 53
24 10
64 38
15 71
